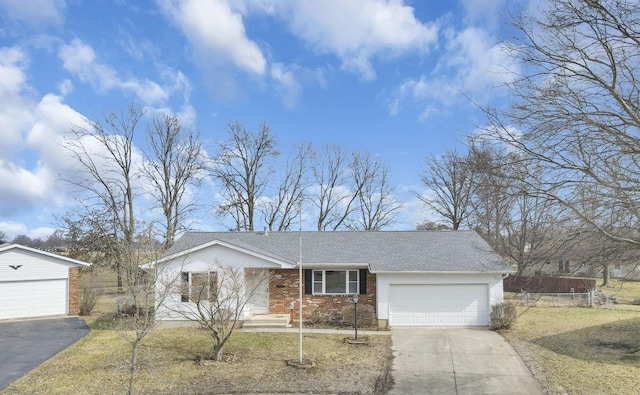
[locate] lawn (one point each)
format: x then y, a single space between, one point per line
580 350
623 291
255 363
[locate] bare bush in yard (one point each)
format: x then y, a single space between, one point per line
366 315
89 292
503 315
319 318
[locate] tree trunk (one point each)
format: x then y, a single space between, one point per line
605 275
134 364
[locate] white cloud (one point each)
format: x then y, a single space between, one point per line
473 64
356 31
12 229
216 32
80 59
480 62
16 110
288 84
35 13
487 12
25 186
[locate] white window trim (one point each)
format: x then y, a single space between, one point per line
189 284
324 281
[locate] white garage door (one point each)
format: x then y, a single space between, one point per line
22 299
448 304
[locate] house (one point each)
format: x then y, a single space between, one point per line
585 264
36 283
410 278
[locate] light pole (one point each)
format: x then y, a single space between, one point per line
355 314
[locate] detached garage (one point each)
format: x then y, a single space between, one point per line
35 283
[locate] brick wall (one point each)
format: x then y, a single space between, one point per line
74 280
283 289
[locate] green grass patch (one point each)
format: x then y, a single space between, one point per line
580 350
169 363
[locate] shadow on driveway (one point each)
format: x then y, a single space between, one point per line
26 344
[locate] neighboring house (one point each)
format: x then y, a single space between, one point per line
411 278
573 266
36 283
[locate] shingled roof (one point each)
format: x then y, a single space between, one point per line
382 251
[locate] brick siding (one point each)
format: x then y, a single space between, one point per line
74 280
283 290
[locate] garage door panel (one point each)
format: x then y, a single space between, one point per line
441 304
23 299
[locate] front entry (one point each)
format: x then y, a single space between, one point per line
257 286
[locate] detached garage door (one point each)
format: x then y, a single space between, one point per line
23 299
447 304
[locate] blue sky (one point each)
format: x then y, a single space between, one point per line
389 77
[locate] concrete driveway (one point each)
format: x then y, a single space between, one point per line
451 360
26 344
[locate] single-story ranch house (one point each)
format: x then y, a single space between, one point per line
36 283
410 278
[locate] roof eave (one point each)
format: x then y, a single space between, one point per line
7 247
277 260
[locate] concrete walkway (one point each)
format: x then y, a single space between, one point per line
437 360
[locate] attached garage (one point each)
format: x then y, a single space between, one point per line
438 304
35 283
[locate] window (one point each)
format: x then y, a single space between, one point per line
335 281
564 266
197 286
617 266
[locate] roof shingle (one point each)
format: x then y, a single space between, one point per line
383 251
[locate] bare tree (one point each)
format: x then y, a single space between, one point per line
137 318
351 191
174 162
376 207
280 210
491 200
244 170
216 300
334 202
104 153
450 181
576 111
430 225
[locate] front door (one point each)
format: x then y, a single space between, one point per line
257 287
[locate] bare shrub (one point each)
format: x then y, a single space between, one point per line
90 291
366 315
503 315
318 318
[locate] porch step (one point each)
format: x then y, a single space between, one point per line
267 321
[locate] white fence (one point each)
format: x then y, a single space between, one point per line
572 299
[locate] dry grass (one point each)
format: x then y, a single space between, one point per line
98 364
624 291
580 350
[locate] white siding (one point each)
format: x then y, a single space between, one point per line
206 259
34 266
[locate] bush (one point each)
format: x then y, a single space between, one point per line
503 315
89 292
366 315
318 318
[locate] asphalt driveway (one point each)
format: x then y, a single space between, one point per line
26 344
451 360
